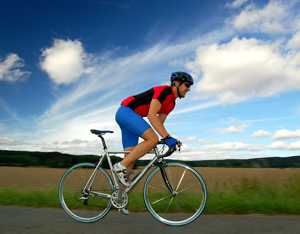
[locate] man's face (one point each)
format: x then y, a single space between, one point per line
184 88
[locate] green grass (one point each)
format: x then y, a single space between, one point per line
46 197
250 196
254 196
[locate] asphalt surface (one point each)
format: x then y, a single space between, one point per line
44 220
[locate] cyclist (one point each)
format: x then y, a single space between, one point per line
155 104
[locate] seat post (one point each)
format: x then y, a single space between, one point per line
103 141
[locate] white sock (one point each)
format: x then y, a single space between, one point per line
121 166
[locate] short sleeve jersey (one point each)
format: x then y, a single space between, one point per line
140 103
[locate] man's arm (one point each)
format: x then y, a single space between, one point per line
162 118
157 120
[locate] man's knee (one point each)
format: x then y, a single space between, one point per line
151 137
154 141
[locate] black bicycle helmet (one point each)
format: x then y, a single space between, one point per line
181 76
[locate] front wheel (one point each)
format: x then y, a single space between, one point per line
187 201
85 203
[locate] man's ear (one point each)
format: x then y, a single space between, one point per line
177 83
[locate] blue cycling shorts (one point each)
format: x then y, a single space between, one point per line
132 126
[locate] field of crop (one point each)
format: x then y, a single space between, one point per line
24 178
230 190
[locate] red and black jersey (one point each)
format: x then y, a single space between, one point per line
140 103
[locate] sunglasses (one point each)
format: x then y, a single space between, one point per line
187 85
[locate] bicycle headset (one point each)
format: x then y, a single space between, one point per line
183 77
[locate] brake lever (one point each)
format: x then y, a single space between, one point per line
178 148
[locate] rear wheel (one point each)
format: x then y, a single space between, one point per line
185 204
90 204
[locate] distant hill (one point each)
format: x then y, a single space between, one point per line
47 159
59 160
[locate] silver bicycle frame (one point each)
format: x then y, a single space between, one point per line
107 154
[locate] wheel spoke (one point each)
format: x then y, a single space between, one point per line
181 179
186 202
162 199
186 188
169 205
155 187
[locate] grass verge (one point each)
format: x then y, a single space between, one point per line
250 196
254 196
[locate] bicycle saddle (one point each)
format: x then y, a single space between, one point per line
94 131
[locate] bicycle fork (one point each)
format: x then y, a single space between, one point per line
165 177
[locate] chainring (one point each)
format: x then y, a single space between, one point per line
115 199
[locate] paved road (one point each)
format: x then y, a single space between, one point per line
32 220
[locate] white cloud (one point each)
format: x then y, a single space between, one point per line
191 139
185 148
294 42
208 141
232 146
64 61
9 69
234 129
231 130
5 107
228 120
65 127
7 141
269 19
277 145
243 69
261 133
197 107
232 119
74 142
194 139
236 3
294 146
286 134
215 155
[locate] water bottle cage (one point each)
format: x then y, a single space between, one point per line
132 173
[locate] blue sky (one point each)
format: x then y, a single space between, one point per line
65 66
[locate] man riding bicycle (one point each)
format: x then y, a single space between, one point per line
155 104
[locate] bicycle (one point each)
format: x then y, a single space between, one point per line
87 192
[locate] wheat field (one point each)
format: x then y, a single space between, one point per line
24 178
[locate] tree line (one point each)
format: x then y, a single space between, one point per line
60 160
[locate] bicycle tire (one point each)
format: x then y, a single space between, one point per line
71 193
190 195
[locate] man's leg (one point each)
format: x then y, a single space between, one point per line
129 168
151 140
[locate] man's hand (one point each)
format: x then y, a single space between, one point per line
171 142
